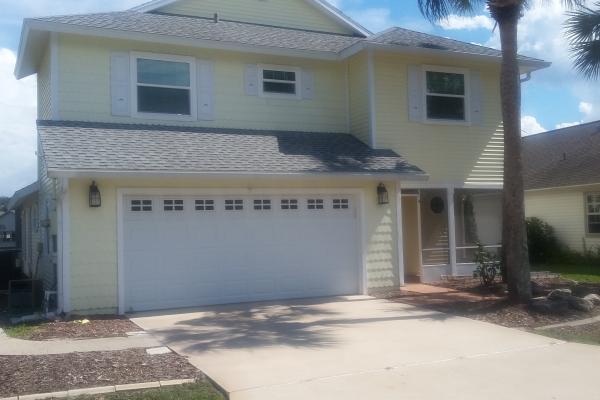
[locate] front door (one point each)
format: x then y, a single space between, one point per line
411 238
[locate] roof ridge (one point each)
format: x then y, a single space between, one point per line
253 24
560 131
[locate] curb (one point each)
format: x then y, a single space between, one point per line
101 389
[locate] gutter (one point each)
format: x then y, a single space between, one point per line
149 174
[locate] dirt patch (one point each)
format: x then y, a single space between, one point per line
97 327
472 300
57 372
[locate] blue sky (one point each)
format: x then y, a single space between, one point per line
555 97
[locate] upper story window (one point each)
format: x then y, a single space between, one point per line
593 213
446 94
279 81
164 86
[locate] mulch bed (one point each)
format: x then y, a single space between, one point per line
97 327
492 305
21 375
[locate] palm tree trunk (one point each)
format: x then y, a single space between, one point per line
514 236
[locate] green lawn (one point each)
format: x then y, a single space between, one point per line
195 391
579 273
20 331
587 334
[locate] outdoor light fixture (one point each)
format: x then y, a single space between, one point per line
95 199
382 194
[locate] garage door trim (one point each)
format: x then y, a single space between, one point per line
122 192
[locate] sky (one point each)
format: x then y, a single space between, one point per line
555 97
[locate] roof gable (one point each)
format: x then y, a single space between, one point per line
315 15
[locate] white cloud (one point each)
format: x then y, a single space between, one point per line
455 22
566 124
17 130
374 19
586 108
530 126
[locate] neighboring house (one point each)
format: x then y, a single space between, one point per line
8 240
28 233
562 182
205 152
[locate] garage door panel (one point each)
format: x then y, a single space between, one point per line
198 257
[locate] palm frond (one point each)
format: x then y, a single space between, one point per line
435 10
583 32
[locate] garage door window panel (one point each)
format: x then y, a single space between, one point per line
289 204
341 204
262 205
141 205
205 205
315 204
173 205
234 205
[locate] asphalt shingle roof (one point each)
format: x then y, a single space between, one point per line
405 37
564 157
206 29
199 28
85 146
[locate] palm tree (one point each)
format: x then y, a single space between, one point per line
506 14
583 31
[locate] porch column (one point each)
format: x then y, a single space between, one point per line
400 236
451 229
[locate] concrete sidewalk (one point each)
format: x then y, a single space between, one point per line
362 348
18 347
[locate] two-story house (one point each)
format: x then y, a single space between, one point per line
199 152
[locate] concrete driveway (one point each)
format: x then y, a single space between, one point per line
364 348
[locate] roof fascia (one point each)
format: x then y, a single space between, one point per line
329 10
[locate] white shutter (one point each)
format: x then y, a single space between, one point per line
415 93
308 83
475 99
120 85
251 80
206 90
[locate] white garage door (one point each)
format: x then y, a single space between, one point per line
197 250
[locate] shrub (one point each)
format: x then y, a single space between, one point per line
541 240
488 266
544 247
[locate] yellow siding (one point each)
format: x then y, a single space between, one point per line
359 97
93 234
288 13
564 210
47 205
85 88
43 88
449 153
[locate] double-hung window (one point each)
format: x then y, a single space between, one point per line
164 86
279 81
446 94
593 213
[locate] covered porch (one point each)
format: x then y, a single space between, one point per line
441 227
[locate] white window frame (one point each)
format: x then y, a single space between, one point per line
193 87
261 80
449 70
587 213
